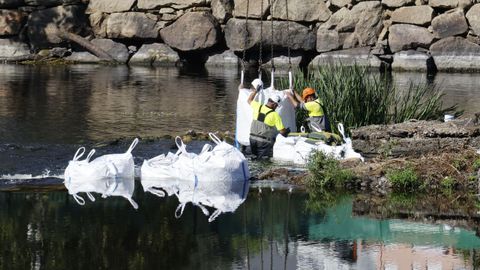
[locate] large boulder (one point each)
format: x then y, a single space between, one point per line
349 57
340 3
82 57
301 10
327 40
11 21
364 20
222 10
450 23
42 24
473 16
109 6
455 54
117 51
226 58
397 3
176 4
282 63
449 4
254 8
419 15
11 48
298 37
11 3
156 54
132 25
412 61
407 36
192 31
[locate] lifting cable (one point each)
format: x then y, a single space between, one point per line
290 77
261 42
245 43
271 46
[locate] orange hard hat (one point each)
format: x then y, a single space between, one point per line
307 92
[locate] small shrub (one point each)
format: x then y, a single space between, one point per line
447 183
403 180
325 172
476 164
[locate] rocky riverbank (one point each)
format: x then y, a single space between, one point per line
442 156
402 34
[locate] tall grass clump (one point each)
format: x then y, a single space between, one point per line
356 97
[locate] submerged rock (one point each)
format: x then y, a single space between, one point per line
156 54
413 60
226 58
11 48
349 57
455 53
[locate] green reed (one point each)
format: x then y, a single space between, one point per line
356 97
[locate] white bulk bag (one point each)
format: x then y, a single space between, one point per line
159 173
245 114
110 175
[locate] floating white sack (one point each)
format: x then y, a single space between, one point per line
245 114
158 173
110 175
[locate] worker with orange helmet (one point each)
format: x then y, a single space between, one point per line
314 106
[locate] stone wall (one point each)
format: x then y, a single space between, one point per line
423 35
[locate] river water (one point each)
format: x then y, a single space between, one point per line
47 112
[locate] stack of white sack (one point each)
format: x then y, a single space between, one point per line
245 114
211 178
298 150
109 175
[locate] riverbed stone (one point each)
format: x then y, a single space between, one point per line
348 57
407 36
82 57
397 3
11 48
419 15
181 35
450 23
11 3
254 8
222 10
226 58
301 10
282 64
340 3
156 54
118 51
449 4
132 25
11 21
176 4
327 40
473 16
299 37
42 24
109 6
455 54
412 61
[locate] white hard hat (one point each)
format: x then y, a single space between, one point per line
256 83
275 98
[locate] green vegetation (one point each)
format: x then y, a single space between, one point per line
403 180
447 183
326 173
476 164
356 97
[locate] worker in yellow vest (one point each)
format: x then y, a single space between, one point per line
314 106
266 123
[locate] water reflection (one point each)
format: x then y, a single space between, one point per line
269 231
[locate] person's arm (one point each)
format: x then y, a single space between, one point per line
298 97
285 132
252 96
292 100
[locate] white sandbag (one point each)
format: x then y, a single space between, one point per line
109 175
208 178
298 150
158 173
245 114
